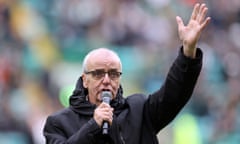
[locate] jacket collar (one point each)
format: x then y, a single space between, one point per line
80 104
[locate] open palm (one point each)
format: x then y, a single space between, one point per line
190 33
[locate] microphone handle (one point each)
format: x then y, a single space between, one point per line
105 128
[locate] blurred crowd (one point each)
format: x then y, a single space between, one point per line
42 44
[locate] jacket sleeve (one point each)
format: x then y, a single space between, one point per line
54 132
163 105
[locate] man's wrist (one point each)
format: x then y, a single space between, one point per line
189 51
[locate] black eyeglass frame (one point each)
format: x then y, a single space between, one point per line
99 74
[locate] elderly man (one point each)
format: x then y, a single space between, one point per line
135 119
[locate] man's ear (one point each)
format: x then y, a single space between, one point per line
85 83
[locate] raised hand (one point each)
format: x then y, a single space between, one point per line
190 33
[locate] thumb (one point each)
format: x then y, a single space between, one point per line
179 21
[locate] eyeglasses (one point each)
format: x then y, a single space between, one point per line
99 74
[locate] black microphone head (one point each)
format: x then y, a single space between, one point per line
106 96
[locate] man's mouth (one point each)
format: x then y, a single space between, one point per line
105 90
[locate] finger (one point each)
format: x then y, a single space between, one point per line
205 23
202 13
195 11
107 116
110 119
179 22
107 110
104 105
97 117
203 16
201 8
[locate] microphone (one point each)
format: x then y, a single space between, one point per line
106 97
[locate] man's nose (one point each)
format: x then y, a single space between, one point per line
106 78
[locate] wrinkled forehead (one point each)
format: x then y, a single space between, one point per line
104 59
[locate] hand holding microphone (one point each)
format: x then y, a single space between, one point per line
103 114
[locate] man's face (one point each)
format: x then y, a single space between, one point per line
103 75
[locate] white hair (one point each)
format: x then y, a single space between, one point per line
86 58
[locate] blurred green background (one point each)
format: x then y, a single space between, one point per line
43 42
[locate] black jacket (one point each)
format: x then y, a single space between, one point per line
137 118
